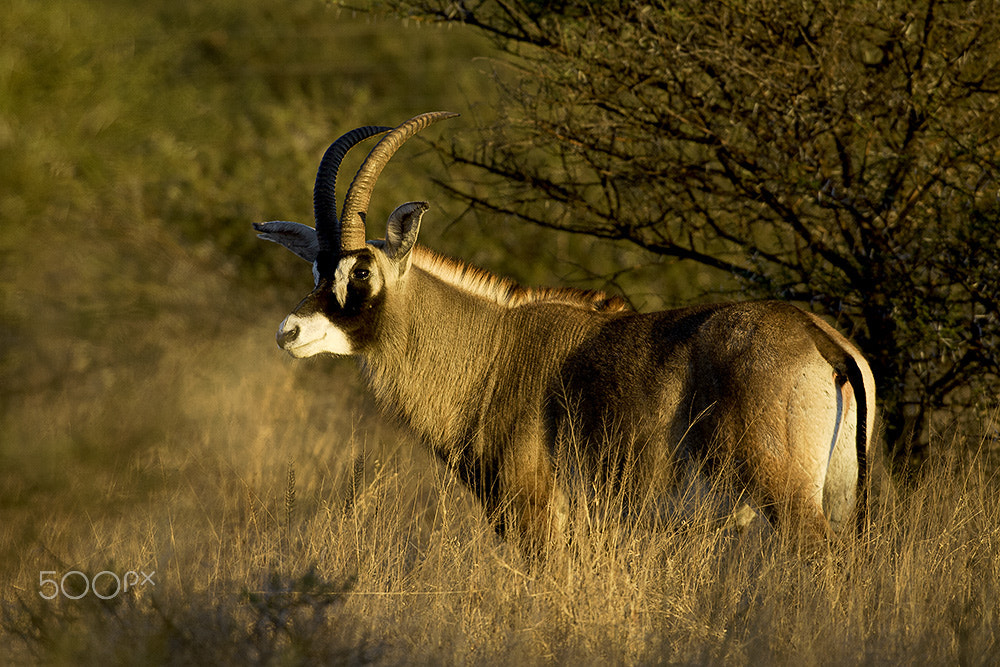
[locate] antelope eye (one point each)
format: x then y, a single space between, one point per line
360 274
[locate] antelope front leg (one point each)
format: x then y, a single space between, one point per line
537 505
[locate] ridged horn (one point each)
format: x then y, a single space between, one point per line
359 195
328 228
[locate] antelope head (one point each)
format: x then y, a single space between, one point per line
351 274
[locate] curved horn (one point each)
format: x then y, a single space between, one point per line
353 235
328 230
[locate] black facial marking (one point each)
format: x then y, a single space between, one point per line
326 263
359 316
360 290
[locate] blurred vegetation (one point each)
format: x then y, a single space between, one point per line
137 144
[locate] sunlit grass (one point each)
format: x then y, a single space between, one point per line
381 555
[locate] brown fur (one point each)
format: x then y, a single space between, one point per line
491 375
497 378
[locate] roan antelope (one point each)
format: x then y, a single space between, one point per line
494 376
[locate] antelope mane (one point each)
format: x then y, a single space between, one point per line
506 292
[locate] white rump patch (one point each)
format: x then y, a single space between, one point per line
317 335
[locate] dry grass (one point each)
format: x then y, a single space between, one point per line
286 523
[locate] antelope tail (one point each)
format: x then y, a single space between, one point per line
847 369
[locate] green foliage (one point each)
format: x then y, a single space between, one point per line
842 155
137 144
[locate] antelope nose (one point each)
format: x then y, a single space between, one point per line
287 336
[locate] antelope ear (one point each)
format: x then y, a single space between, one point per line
300 239
401 231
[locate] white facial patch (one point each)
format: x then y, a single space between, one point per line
342 277
316 335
